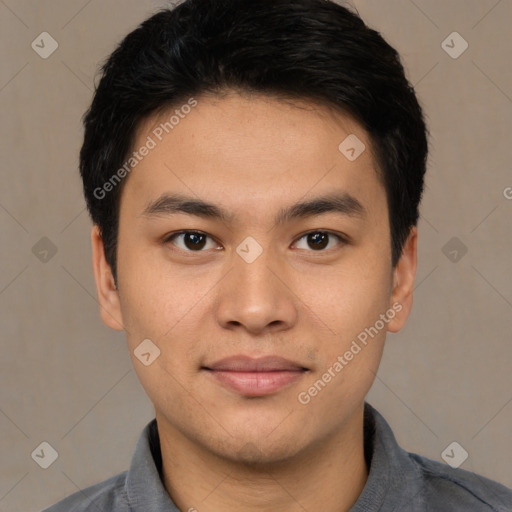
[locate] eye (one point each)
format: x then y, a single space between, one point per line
196 241
320 240
191 241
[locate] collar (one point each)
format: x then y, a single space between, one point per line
393 478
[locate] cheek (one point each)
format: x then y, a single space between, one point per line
166 309
154 298
165 387
347 299
177 362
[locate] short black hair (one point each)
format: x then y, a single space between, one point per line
314 50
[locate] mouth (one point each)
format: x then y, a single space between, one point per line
255 377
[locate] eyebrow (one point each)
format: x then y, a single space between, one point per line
344 204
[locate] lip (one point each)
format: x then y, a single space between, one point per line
255 376
254 364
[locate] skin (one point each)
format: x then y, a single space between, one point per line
254 155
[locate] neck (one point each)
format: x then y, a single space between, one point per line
328 476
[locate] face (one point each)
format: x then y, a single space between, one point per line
259 300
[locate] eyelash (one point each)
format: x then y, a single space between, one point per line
343 239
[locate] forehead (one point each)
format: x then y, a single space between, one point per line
254 151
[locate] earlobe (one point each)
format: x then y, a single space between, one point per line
108 296
403 282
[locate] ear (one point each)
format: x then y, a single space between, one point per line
108 296
403 282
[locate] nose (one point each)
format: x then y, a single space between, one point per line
257 296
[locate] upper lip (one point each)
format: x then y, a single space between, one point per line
250 364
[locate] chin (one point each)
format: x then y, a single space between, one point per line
259 450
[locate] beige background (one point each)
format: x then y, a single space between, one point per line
66 379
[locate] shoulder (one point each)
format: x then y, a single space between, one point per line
447 488
401 480
108 495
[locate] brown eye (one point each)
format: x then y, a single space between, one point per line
319 240
190 241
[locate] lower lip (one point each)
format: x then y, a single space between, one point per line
257 383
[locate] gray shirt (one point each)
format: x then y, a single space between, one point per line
398 481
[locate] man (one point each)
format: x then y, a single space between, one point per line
253 170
